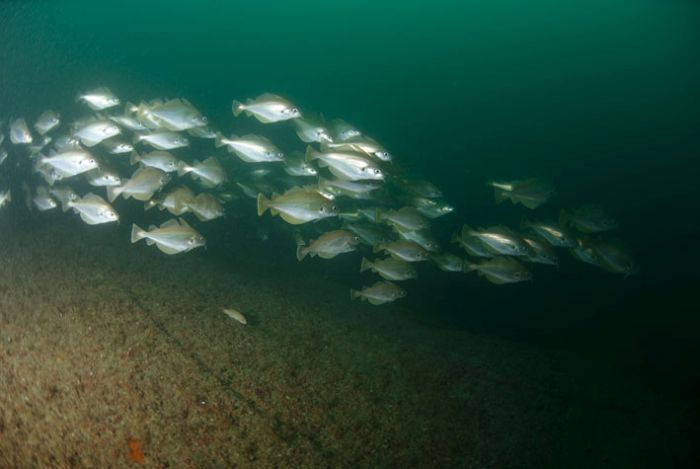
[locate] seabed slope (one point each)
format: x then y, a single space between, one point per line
102 343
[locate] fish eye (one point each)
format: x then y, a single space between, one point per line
295 111
377 171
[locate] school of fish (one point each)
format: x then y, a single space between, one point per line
337 192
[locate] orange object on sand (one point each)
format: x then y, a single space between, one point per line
136 452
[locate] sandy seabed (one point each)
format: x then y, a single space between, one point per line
114 355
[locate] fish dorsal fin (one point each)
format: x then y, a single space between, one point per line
210 162
256 138
269 97
183 222
92 197
170 223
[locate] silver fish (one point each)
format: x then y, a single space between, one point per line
342 131
93 209
499 240
378 294
294 165
298 206
99 98
64 194
5 198
206 207
471 244
404 219
116 147
424 238
47 121
408 251
552 232
363 144
359 190
172 237
102 177
177 201
311 129
540 251
143 184
588 219
163 140
209 172
163 160
173 114
19 132
346 165
70 163
329 245
42 200
390 268
530 192
432 208
369 233
129 122
252 148
93 132
267 108
500 270
448 262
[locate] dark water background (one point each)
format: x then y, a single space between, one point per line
602 97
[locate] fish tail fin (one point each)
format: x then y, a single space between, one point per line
237 108
377 248
130 107
218 143
466 231
499 195
136 233
65 205
365 265
262 204
455 238
469 267
302 251
137 138
311 154
379 214
134 158
354 294
113 192
563 217
183 168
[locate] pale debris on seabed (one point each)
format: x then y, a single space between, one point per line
233 314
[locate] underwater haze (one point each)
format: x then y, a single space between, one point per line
266 347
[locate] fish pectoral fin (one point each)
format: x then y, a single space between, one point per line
499 195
